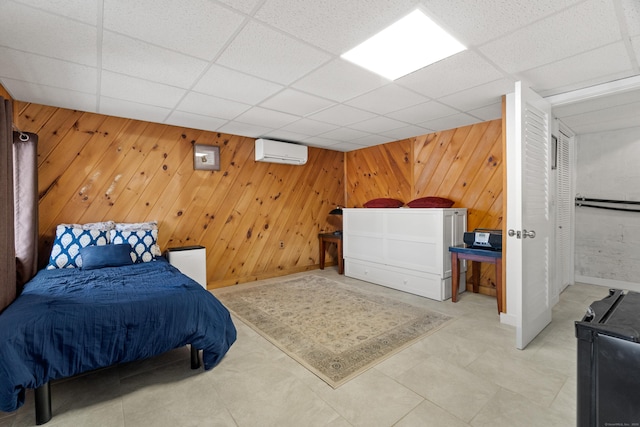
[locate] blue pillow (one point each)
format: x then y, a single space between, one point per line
70 238
105 256
144 243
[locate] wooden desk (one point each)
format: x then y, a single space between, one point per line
475 255
325 238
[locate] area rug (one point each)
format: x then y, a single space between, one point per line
335 331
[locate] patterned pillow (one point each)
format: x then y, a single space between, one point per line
70 238
142 237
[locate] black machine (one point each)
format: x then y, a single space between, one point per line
484 238
609 362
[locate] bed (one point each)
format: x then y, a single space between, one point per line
72 320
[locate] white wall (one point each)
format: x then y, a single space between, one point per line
607 242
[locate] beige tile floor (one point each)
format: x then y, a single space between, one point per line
466 374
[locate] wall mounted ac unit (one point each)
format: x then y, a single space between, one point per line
280 152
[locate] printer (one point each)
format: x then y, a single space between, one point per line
484 238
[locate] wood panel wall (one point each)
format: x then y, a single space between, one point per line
94 167
463 164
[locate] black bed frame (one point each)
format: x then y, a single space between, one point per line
43 393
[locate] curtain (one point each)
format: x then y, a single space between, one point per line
25 185
7 250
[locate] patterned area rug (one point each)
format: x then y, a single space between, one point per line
331 329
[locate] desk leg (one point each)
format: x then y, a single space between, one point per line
475 276
340 258
455 276
321 257
499 283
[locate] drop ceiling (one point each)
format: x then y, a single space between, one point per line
272 68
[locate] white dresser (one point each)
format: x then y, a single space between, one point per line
404 248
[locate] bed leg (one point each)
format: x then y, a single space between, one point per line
43 403
195 357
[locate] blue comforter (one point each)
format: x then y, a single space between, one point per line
70 321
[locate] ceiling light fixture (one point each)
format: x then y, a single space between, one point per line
413 42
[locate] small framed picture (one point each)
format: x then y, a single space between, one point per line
206 157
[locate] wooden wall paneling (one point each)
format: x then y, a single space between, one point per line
160 166
113 171
462 152
428 153
4 93
74 187
380 171
57 128
442 159
32 116
146 182
54 160
97 167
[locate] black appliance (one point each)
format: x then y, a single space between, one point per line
484 238
609 362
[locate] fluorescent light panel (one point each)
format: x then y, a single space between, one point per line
413 42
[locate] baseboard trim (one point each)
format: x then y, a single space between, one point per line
608 283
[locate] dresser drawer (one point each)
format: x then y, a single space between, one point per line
415 282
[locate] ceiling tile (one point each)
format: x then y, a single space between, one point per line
47 71
378 125
236 86
263 117
450 122
342 115
340 81
245 6
132 110
344 134
309 127
284 135
46 95
489 112
271 55
198 103
451 75
136 90
421 112
200 30
586 69
244 129
477 22
387 99
320 142
590 24
295 102
631 9
48 34
194 121
479 96
370 140
80 10
334 25
138 59
406 132
605 102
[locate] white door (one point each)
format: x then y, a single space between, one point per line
529 222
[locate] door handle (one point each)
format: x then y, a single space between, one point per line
524 234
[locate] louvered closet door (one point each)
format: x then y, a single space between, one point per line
565 206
